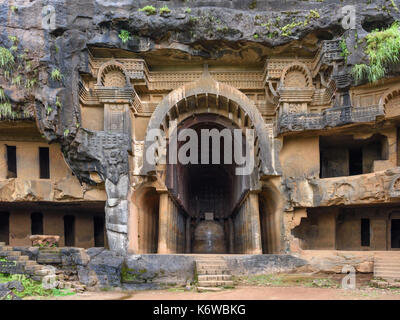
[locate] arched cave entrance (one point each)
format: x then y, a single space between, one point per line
209 192
206 208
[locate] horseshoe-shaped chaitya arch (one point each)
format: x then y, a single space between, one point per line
208 86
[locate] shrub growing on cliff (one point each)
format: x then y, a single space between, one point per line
383 50
6 110
165 10
125 36
149 10
56 75
6 59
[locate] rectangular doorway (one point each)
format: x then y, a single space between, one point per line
395 234
5 227
69 231
98 223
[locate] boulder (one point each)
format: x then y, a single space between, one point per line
104 270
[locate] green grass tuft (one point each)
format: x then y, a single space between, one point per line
125 36
150 10
56 74
383 50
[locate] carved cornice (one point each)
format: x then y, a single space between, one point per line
329 118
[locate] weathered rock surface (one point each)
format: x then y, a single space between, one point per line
201 30
103 270
263 264
158 269
334 261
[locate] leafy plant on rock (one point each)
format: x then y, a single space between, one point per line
7 59
383 51
125 36
56 75
165 10
150 10
6 110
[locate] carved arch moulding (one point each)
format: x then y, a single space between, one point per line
206 86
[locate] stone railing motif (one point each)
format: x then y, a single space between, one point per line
333 117
377 187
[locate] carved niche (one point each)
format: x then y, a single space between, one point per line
296 88
115 92
391 103
394 189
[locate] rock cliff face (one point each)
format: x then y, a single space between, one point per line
50 42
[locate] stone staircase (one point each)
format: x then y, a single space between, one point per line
212 272
20 264
387 265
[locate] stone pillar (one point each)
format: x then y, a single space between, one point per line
188 235
231 236
253 213
164 216
117 214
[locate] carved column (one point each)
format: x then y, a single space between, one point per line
117 214
255 246
164 216
231 236
188 235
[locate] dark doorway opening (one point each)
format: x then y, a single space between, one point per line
208 187
36 223
11 162
69 231
345 156
44 162
355 161
395 234
365 233
98 223
5 227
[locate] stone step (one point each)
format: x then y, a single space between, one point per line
219 277
33 268
385 275
6 248
211 266
208 289
389 268
13 253
37 278
389 263
18 258
49 250
29 263
210 260
212 271
12 258
23 258
42 272
26 263
215 283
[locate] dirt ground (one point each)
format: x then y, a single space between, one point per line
245 293
264 287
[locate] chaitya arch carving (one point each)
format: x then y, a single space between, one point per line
237 103
296 75
113 74
390 102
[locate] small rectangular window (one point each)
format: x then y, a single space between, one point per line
11 162
355 161
44 162
365 233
